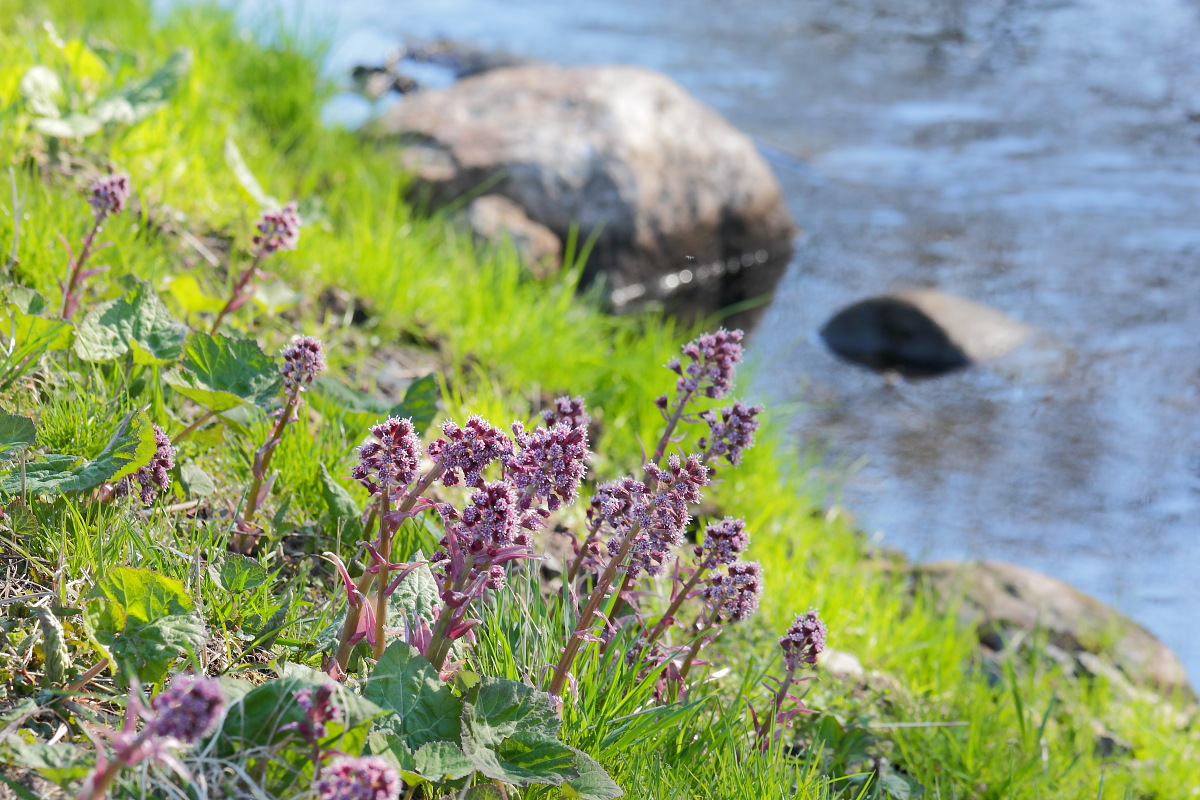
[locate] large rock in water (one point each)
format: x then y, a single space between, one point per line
922 332
686 209
1000 598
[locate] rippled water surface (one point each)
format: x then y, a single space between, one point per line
1042 156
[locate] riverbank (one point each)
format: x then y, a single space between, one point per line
502 343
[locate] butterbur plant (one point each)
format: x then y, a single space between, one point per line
148 482
800 646
276 230
180 715
303 360
107 197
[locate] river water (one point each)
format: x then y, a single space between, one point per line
1041 156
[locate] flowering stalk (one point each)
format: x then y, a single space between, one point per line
319 710
801 645
107 197
180 715
151 480
302 360
646 526
730 598
723 542
277 230
713 360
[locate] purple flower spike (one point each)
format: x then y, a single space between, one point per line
492 519
153 478
803 641
188 708
468 450
714 358
570 411
730 431
734 595
548 463
319 710
365 778
108 195
302 360
390 461
723 542
662 516
278 230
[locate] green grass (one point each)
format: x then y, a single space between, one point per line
504 343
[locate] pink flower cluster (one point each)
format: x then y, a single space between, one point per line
466 451
302 360
389 461
278 230
109 195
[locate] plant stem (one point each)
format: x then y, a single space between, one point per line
190 429
386 531
353 614
578 562
264 457
709 624
439 643
672 423
676 602
243 282
69 303
563 667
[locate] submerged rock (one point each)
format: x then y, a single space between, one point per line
683 207
1001 598
922 333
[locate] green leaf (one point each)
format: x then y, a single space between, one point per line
510 732
237 573
221 373
361 411
416 596
24 299
16 433
261 717
442 761
195 481
341 507
276 296
190 295
131 447
19 519
143 620
30 332
137 322
484 791
136 101
420 402
592 783
60 763
426 709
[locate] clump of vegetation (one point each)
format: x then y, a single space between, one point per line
387 609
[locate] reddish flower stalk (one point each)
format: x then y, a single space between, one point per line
107 197
801 645
180 715
277 230
645 526
302 360
723 542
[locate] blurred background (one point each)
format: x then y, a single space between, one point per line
1041 157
